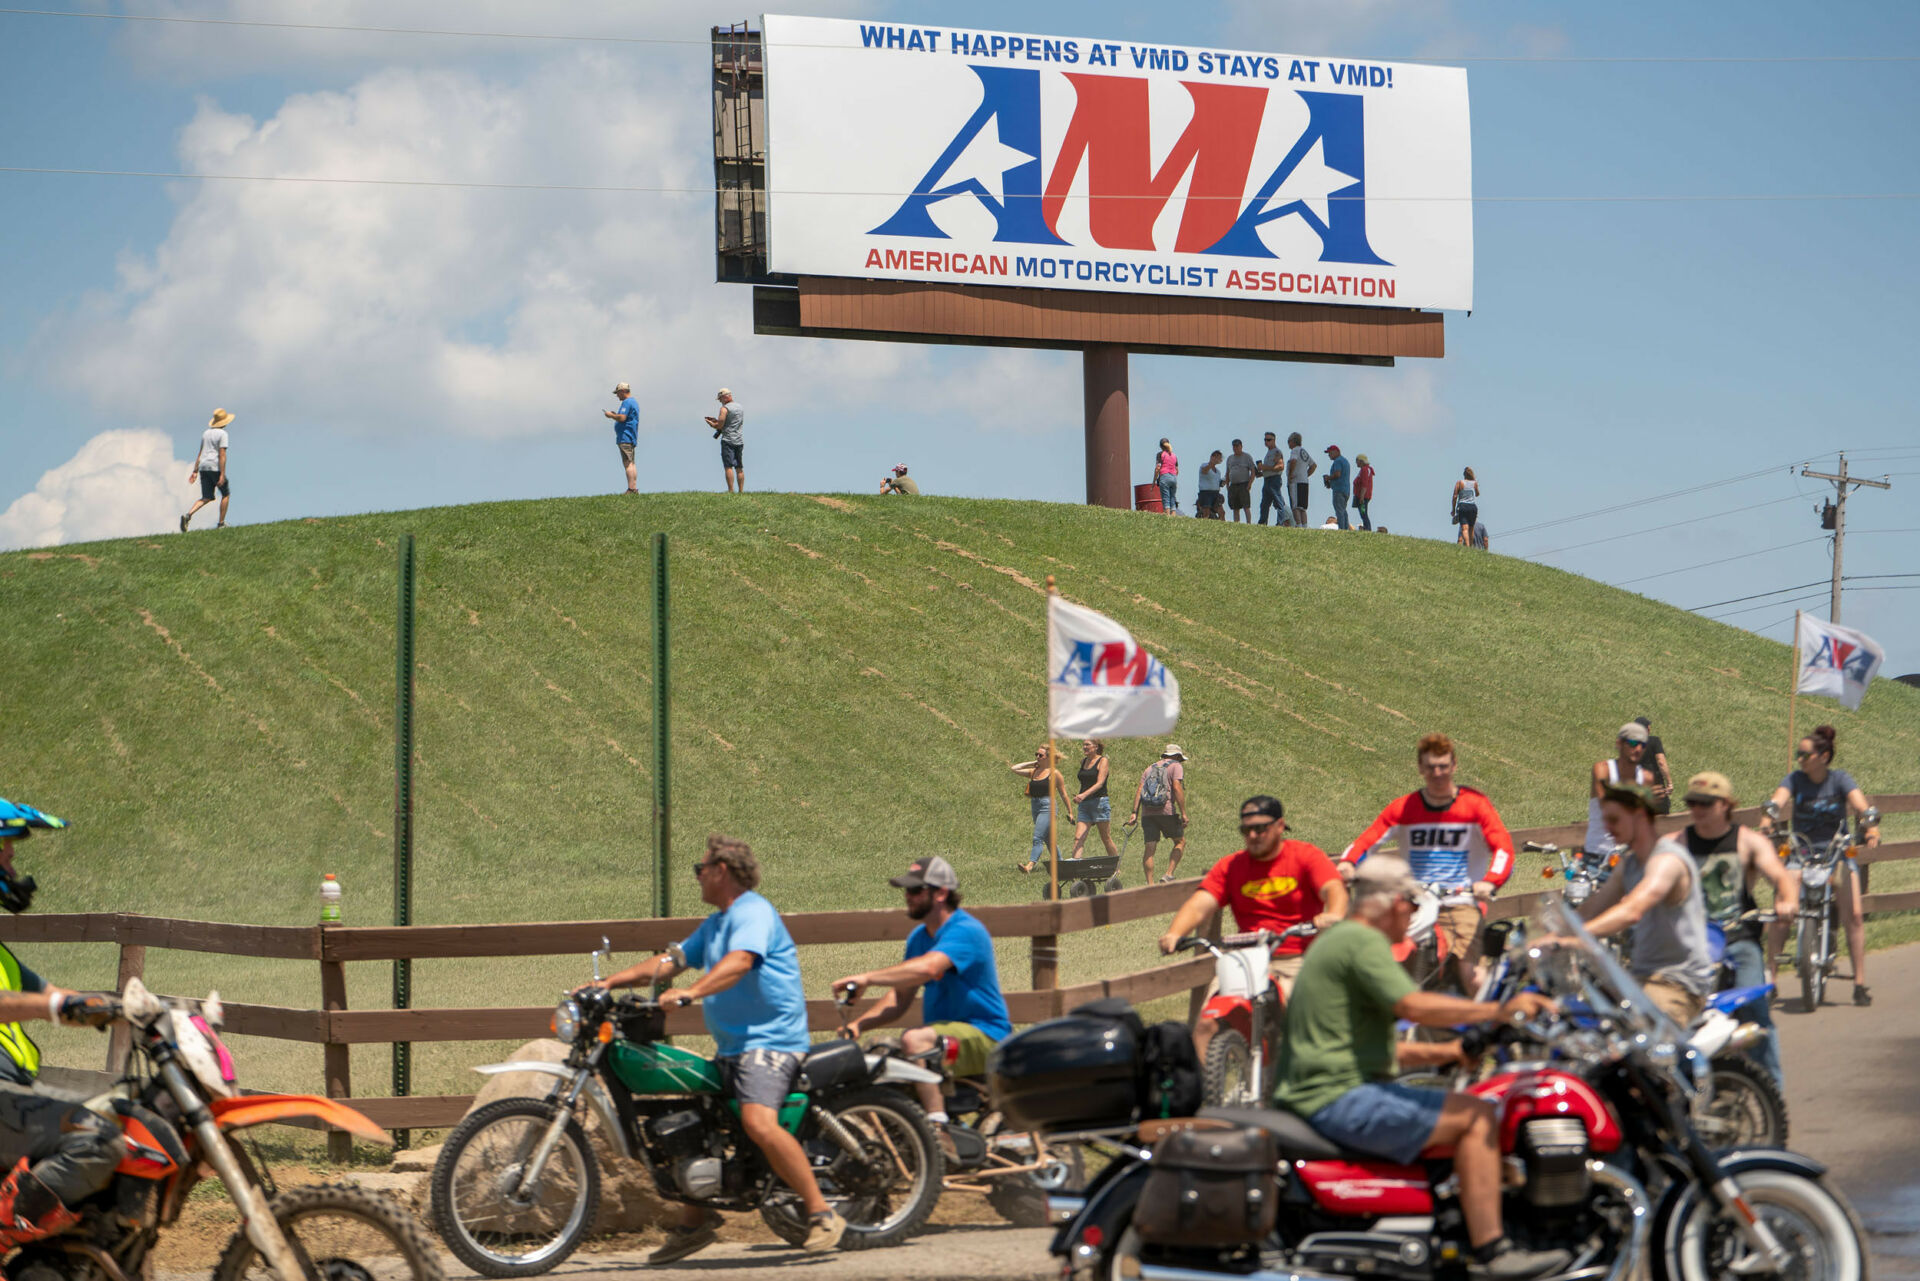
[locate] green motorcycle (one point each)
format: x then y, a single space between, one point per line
516 1187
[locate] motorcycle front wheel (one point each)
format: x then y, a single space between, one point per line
1814 1223
339 1231
476 1209
1744 1108
1227 1074
888 1192
1810 959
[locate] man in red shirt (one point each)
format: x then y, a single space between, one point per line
1272 884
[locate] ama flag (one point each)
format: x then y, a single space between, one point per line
1836 661
1100 683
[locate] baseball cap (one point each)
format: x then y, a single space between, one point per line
1709 786
1266 806
724 391
1361 459
1632 795
1634 732
935 871
1388 873
899 469
1643 722
1173 749
620 389
1331 449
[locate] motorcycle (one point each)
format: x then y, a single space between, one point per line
1824 871
1603 1161
1247 1003
1016 1170
1583 870
1741 1104
515 1189
181 1114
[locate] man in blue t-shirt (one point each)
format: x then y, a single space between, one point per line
1339 479
626 432
756 1012
951 954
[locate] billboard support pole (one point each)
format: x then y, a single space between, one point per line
1104 375
662 740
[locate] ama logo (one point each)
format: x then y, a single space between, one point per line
1853 662
1110 135
1110 663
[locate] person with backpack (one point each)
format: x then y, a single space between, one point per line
1160 807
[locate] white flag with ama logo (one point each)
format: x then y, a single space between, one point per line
1100 683
1836 661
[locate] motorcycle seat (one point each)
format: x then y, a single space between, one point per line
1298 1141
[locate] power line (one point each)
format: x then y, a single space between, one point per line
1661 529
1701 609
1667 573
671 41
1657 498
1772 604
1649 198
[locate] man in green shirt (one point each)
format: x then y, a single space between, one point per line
1340 1056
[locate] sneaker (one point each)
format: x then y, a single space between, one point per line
682 1240
183 524
824 1231
1515 1264
1861 996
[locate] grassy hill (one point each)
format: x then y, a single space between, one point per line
852 677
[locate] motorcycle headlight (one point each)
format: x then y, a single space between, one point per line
566 1021
1816 876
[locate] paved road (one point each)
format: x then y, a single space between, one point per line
1851 1098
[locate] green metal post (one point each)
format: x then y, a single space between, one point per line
403 671
662 745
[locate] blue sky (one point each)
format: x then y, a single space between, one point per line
390 347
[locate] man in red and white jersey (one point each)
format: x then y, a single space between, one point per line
1453 837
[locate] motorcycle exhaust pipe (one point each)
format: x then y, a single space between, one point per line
1156 1272
1746 1036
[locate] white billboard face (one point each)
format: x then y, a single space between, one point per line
942 154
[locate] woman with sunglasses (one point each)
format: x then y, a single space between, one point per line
1042 782
1092 807
1822 797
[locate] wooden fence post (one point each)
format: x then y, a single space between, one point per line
1046 964
338 1056
133 965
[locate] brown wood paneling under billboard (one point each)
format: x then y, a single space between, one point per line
906 311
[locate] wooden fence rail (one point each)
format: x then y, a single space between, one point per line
335 1027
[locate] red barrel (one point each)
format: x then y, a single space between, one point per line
1146 498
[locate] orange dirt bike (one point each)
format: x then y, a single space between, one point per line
181 1113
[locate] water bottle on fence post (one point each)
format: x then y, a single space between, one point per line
329 900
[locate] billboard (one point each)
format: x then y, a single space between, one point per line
934 153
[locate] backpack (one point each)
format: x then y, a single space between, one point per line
1170 1070
1153 789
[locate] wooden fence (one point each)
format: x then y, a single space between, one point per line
335 1027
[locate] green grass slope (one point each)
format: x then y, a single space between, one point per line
852 676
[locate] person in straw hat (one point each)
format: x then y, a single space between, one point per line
211 467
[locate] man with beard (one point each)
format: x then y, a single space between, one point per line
951 954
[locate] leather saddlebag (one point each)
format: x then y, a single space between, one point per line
1210 1188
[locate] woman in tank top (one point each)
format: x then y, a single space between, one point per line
1624 768
1466 505
1093 809
1042 782
1166 474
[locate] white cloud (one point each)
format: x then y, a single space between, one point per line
1405 399
121 483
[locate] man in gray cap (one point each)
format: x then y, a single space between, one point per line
951 954
726 429
1341 1054
1625 767
626 432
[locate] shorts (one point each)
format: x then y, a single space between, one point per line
1674 1001
1461 922
1300 492
765 1077
1466 514
730 456
1209 499
1384 1119
1239 493
210 482
1155 826
626 452
1095 809
974 1045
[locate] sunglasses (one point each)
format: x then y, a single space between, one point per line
1699 802
700 865
1801 756
1254 829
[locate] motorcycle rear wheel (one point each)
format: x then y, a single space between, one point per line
1746 1108
1821 1234
893 1129
1227 1074
345 1233
471 1203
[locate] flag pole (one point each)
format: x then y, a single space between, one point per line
1053 755
1793 698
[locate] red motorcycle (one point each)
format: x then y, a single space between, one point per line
1597 1141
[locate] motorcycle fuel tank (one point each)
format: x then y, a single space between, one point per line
662 1069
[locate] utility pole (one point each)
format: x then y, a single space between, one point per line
1839 505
